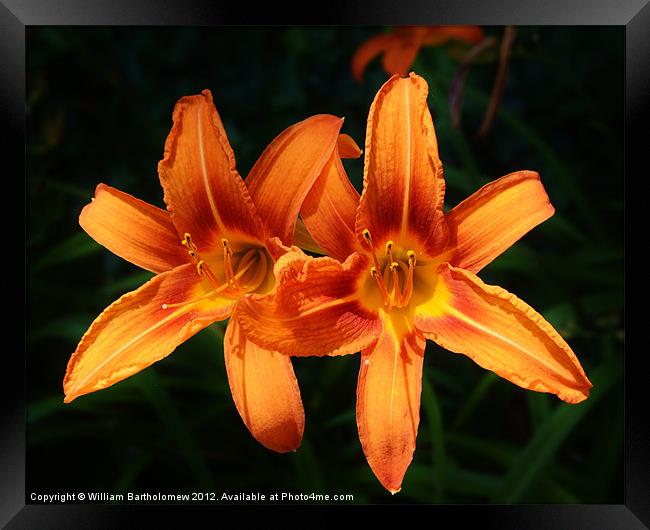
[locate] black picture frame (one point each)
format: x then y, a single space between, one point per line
15 15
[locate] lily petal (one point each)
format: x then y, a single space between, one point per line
315 309
441 34
501 333
287 169
265 391
277 249
388 403
203 191
370 49
304 240
142 327
133 229
347 147
399 57
403 183
329 210
492 219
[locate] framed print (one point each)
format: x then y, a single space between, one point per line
375 259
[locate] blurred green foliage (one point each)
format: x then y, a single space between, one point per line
99 109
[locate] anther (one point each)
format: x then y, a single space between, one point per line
188 243
408 286
201 267
374 271
380 283
411 256
368 238
226 246
389 250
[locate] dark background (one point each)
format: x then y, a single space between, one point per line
99 109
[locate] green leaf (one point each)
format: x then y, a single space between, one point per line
472 178
556 166
563 317
130 472
556 493
126 283
560 229
457 178
70 328
500 453
458 480
347 417
432 409
602 302
44 408
307 468
75 247
520 258
607 450
157 395
538 406
548 438
69 189
474 398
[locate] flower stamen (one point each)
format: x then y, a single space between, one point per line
189 244
396 295
368 238
378 277
201 267
380 283
227 261
408 286
219 289
389 250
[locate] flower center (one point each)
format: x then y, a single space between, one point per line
231 273
393 273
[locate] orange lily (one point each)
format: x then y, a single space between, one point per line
402 271
400 48
214 246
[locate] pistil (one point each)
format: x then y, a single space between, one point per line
380 283
395 291
376 275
